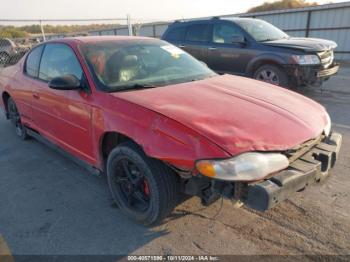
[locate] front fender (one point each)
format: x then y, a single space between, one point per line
265 59
159 136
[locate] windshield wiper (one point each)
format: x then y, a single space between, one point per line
273 39
133 86
269 39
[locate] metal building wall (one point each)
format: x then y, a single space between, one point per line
331 21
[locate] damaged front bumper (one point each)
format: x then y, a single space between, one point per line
309 75
310 168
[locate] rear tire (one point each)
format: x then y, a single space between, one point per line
272 74
145 189
15 119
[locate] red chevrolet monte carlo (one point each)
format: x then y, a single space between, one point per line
161 124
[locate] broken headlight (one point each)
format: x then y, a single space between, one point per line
328 127
306 59
245 167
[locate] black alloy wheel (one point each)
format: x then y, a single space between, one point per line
15 118
145 189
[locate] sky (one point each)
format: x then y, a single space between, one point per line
142 10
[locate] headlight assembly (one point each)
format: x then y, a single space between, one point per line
328 127
245 167
306 59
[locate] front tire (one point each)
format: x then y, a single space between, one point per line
272 74
15 119
145 189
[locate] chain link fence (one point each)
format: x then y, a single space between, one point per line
19 36
11 52
329 21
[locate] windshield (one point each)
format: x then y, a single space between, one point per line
120 65
260 30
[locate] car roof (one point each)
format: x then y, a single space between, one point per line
240 19
93 39
196 21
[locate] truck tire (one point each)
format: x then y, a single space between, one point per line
272 74
145 189
15 119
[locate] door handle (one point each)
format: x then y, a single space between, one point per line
212 48
182 46
36 96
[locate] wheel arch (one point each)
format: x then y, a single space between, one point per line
5 97
108 141
264 60
158 136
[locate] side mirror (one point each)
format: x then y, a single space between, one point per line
66 82
238 39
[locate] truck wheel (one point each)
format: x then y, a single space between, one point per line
145 189
272 74
4 58
15 118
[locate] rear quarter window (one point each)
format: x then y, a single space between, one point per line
5 43
176 34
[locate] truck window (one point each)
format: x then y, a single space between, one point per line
5 43
199 33
176 34
224 33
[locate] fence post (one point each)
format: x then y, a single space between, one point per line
129 25
308 21
42 31
154 31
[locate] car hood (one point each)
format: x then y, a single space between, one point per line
305 44
236 113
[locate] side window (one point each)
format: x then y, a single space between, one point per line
199 33
59 60
176 34
5 43
33 60
224 33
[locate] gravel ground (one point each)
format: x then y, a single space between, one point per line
51 206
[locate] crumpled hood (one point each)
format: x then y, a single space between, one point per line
236 113
306 44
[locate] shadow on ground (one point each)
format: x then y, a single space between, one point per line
49 205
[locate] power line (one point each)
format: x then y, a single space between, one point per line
62 20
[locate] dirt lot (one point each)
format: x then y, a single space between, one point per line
51 206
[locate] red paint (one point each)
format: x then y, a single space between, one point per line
213 118
146 188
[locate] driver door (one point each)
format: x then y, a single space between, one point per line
63 116
226 56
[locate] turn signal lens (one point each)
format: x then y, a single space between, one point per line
206 168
